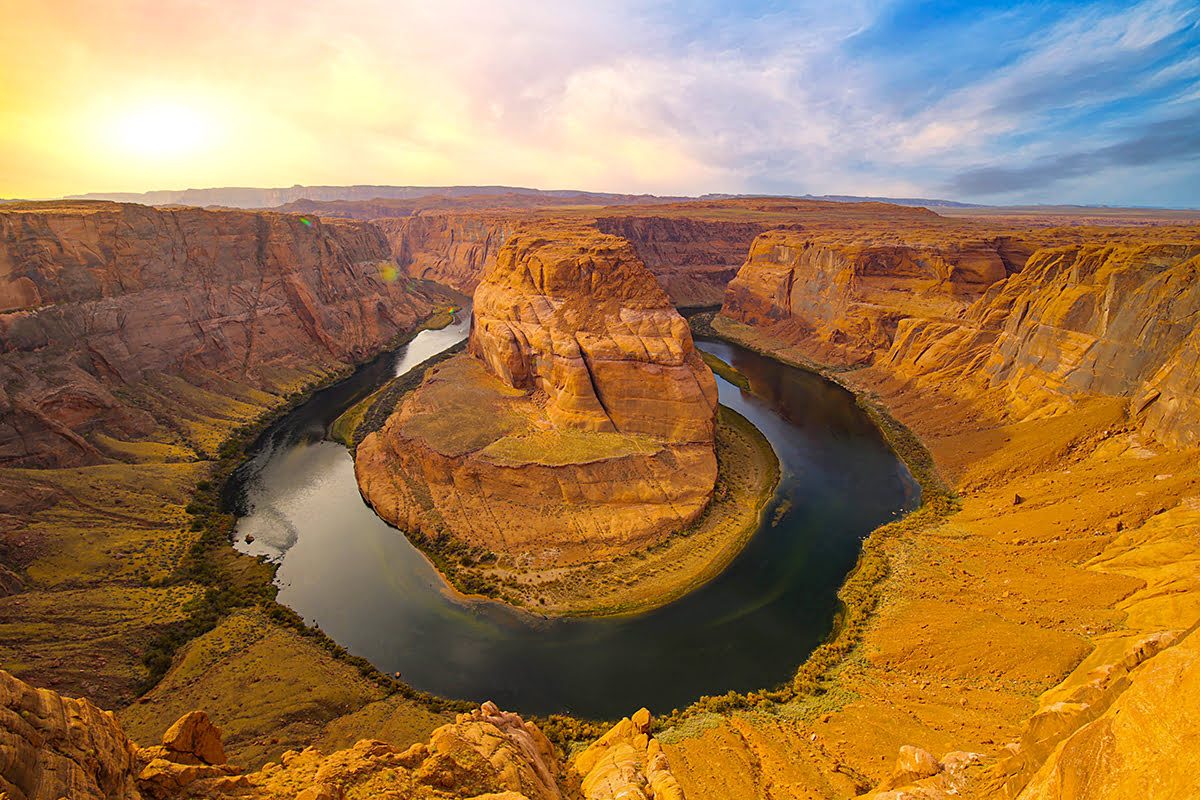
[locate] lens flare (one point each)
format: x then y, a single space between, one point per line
388 272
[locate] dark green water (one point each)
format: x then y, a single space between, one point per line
749 628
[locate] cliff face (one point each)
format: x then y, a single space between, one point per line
96 299
453 249
693 259
850 296
1115 320
582 425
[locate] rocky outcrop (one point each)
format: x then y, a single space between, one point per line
96 299
1115 320
576 316
848 298
917 775
583 425
627 762
1143 744
53 747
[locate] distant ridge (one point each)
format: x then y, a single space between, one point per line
924 202
250 197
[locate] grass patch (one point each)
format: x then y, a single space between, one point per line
369 414
726 371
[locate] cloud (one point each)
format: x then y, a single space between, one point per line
869 97
1169 141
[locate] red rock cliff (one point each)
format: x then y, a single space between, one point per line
693 259
849 296
96 298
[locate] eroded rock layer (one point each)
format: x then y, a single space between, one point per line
850 296
1116 320
98 299
581 424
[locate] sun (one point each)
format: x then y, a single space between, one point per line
162 131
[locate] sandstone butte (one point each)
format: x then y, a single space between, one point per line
1038 642
580 424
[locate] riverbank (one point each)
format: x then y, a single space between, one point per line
1065 533
127 572
748 472
636 582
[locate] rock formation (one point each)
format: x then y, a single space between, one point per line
582 426
97 299
1115 320
848 297
1100 318
53 747
693 259
627 762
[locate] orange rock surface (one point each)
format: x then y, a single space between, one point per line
96 299
582 426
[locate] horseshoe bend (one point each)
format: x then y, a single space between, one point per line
609 449
1027 632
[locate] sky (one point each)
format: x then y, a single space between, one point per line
988 102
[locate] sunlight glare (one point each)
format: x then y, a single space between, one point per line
162 130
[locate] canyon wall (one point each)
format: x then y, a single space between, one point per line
581 424
97 299
1116 320
693 259
847 297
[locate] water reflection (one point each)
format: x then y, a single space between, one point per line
343 568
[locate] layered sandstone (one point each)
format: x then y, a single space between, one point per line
581 424
848 297
1116 320
693 259
52 747
98 299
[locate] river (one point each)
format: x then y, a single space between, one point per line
360 580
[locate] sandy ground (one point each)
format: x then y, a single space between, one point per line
1076 538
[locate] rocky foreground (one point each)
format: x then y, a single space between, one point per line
53 747
580 425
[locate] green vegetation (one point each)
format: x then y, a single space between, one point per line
370 413
726 371
231 580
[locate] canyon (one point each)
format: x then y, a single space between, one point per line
1031 635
